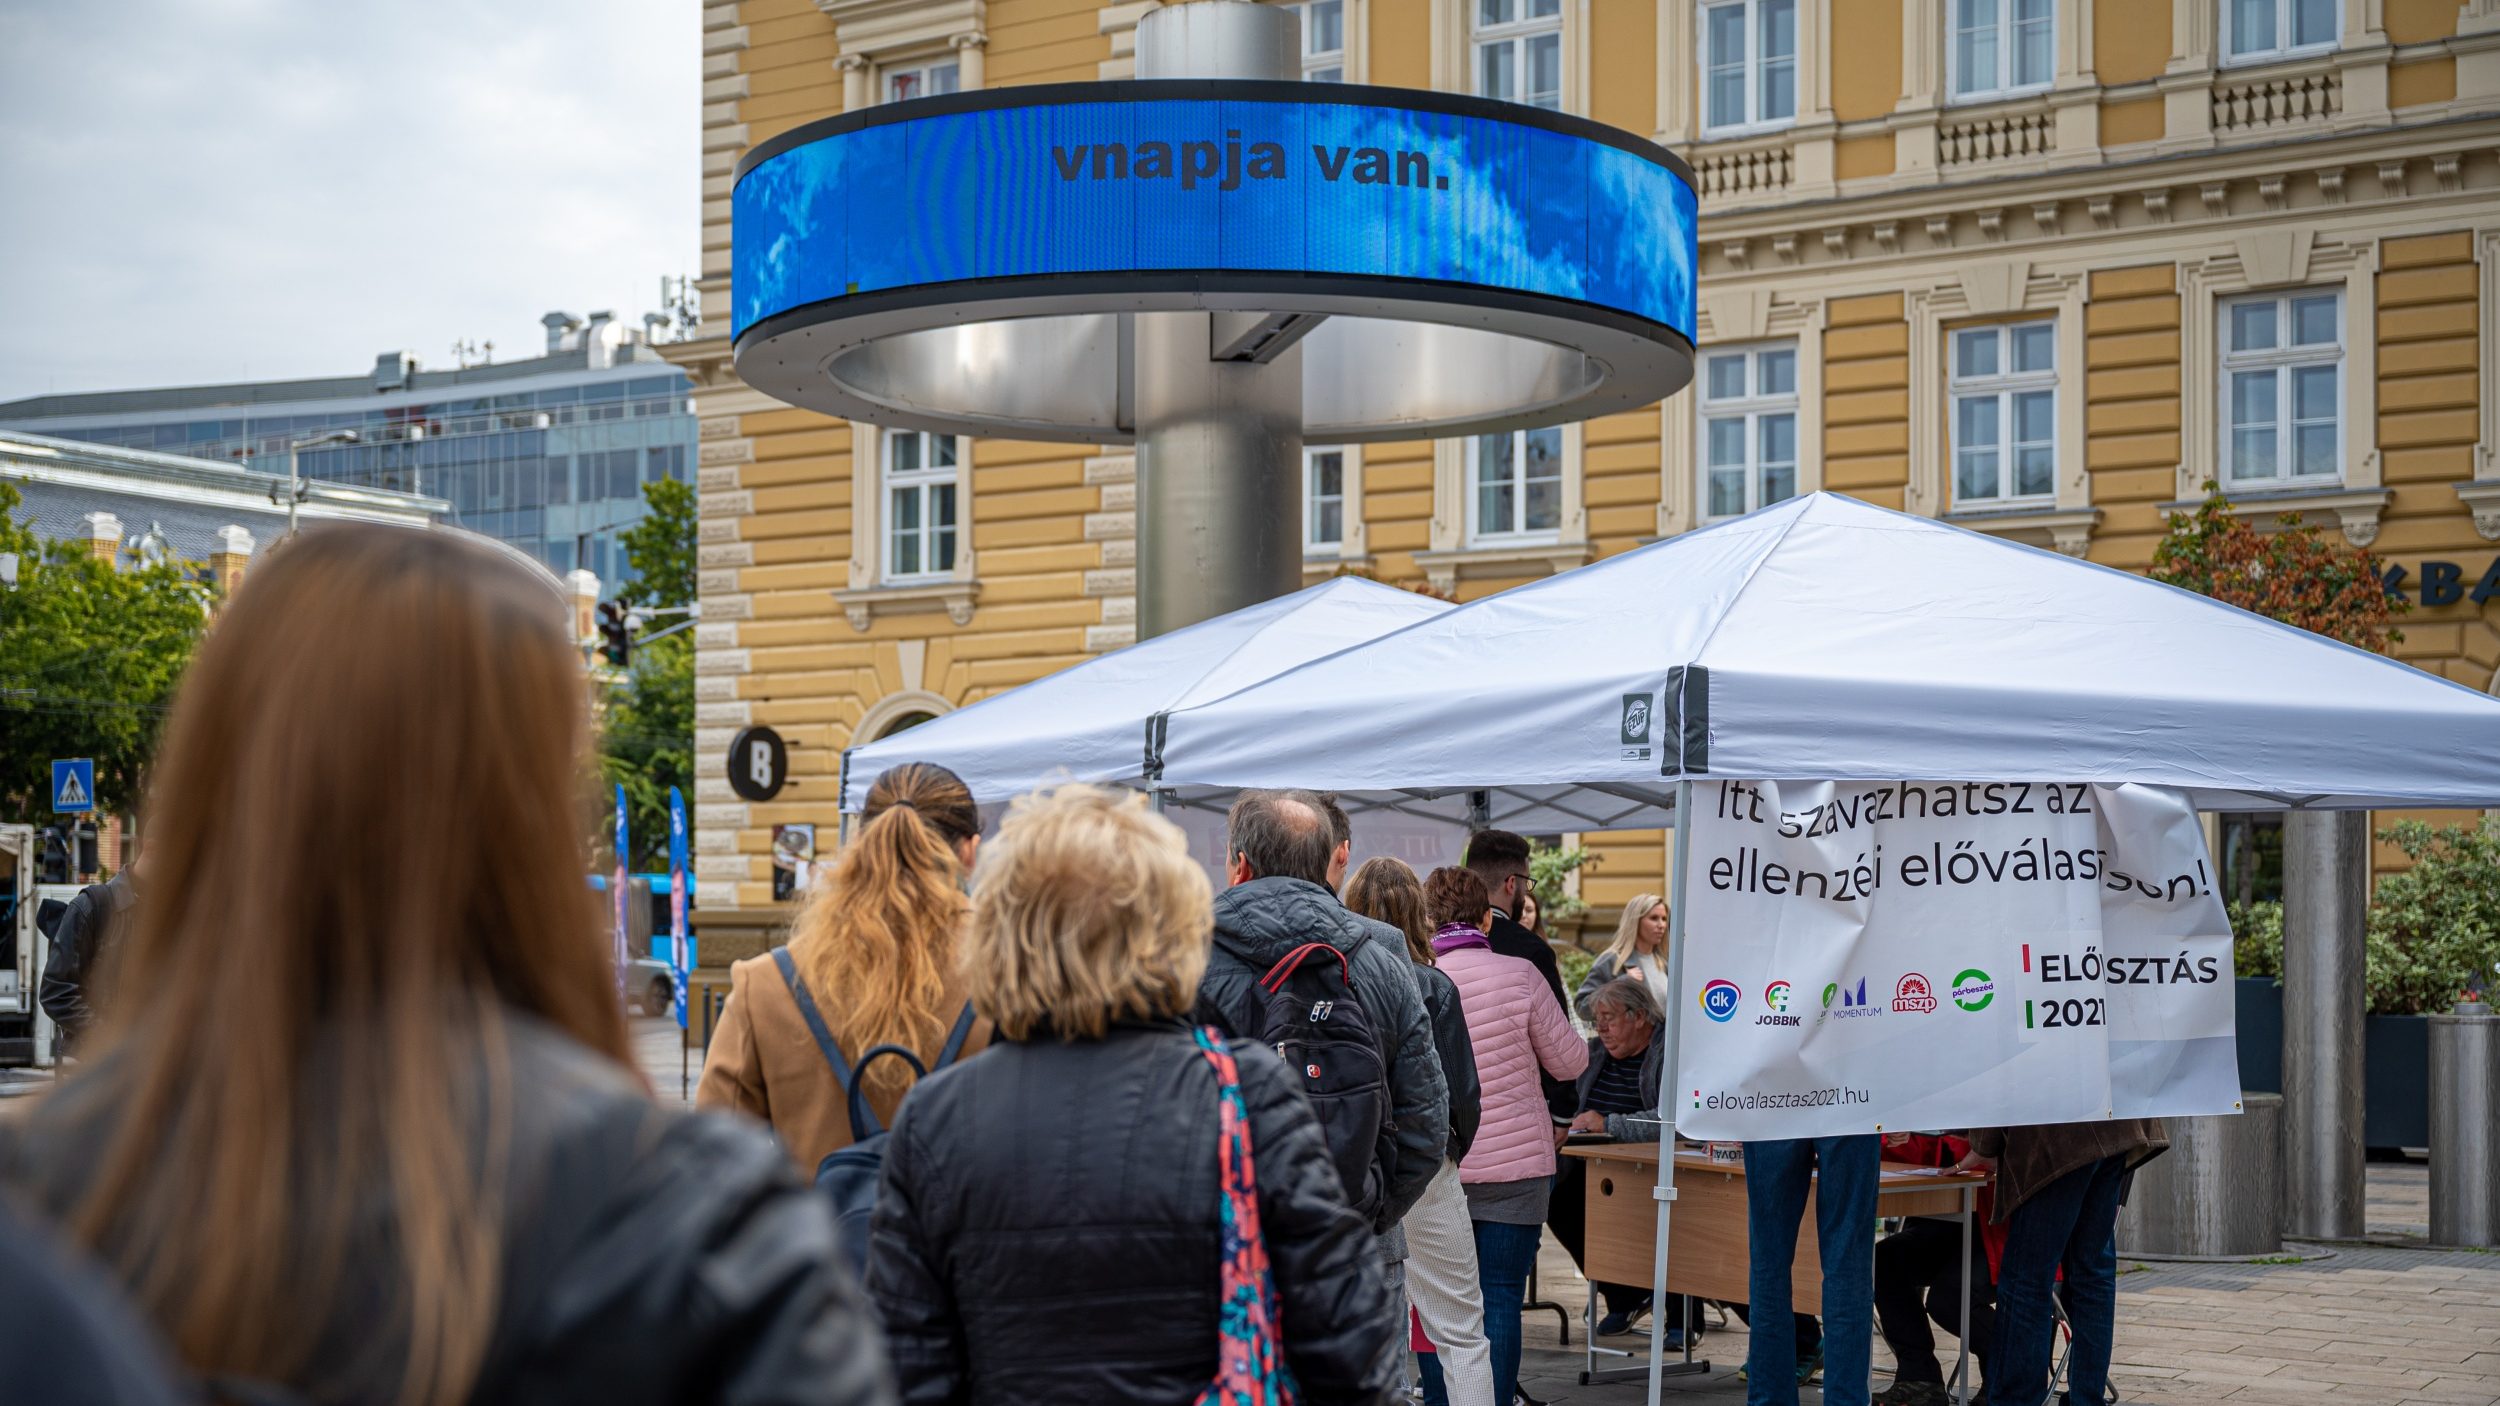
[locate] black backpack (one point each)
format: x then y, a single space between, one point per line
1315 1019
849 1175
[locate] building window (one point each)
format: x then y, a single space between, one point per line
1749 65
922 80
1519 51
2257 30
919 504
2004 424
1323 40
1323 501
1517 478
2002 47
2282 389
1748 429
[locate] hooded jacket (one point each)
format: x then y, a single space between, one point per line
1050 1230
1256 925
2030 1157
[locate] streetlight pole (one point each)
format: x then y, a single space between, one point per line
294 481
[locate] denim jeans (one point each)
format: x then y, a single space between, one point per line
2071 1222
1504 1254
1778 1176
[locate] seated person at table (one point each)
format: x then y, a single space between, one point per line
1619 1087
1923 1258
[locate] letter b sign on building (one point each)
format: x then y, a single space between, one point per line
758 764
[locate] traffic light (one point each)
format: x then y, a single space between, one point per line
616 640
86 839
52 862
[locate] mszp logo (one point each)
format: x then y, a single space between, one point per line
1718 1000
1636 718
1914 994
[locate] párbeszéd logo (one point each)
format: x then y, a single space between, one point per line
1973 989
1718 1000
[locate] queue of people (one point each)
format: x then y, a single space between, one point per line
375 1135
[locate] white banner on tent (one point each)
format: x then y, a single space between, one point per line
1895 956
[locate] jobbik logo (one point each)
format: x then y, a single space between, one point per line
1775 996
1718 1000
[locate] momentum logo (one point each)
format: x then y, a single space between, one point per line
1718 1000
1973 990
1853 1004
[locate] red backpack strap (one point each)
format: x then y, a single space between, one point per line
1274 981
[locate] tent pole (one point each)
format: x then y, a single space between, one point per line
1669 1089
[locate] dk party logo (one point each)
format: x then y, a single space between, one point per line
1973 990
1718 1000
1913 994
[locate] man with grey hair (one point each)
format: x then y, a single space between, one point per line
1278 847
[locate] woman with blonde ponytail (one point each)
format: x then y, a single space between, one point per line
873 952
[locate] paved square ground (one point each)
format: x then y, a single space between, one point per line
2384 1323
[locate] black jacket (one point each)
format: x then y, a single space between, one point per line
1458 1058
67 1337
79 938
649 1256
1047 1231
1256 924
1510 939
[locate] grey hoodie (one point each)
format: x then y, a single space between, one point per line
1256 924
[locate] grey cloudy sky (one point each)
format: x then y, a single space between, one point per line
221 190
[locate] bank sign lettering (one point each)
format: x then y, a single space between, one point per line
985 187
1982 954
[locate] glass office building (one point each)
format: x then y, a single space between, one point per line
550 454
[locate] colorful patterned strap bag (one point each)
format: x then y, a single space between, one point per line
1250 1369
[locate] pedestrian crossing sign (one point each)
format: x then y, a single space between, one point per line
73 786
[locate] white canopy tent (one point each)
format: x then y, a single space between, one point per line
1825 639
1090 722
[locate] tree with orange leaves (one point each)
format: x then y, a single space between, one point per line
2294 574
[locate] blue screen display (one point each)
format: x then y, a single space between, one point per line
1255 186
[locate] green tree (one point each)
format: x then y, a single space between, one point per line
1549 870
661 547
2433 931
646 736
89 657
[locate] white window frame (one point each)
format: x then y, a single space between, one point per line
922 482
1751 408
1322 65
926 70
2000 84
1516 33
1754 65
1313 545
2284 359
2233 55
1506 534
2002 386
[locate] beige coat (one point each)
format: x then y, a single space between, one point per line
764 1062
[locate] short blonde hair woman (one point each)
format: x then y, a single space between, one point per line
1639 951
1034 1197
363 1120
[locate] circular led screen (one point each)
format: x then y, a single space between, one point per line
866 247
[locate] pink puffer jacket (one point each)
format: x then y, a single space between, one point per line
1516 1025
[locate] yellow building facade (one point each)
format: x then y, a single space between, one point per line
2042 268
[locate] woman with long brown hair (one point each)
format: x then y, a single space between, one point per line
1441 1271
360 1121
871 961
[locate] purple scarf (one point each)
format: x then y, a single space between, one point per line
1453 936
